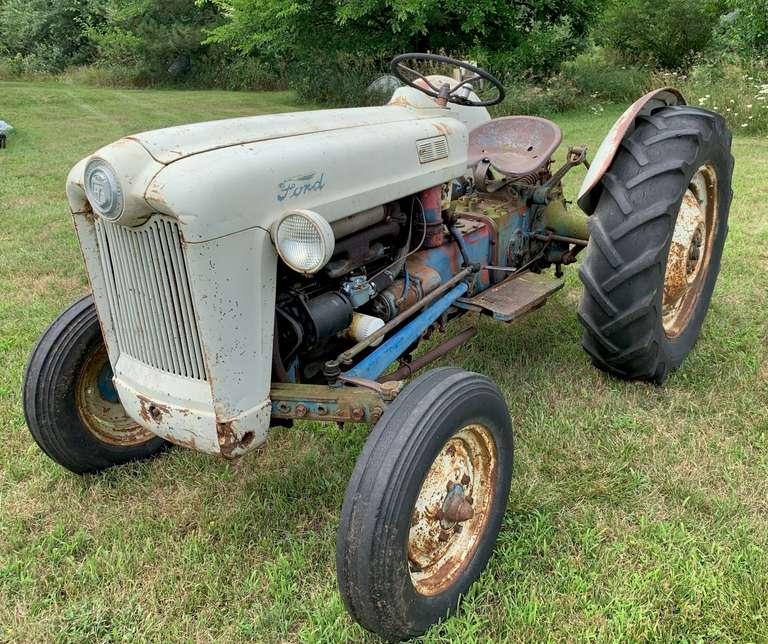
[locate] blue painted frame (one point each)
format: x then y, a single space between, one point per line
377 362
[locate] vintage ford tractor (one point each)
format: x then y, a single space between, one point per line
252 272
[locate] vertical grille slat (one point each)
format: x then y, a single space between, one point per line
161 274
157 310
143 297
144 330
149 295
190 320
172 274
109 278
124 300
174 296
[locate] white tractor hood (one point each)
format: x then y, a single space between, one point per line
220 177
170 144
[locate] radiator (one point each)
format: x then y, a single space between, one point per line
149 295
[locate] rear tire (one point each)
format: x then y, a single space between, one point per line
71 408
425 503
633 326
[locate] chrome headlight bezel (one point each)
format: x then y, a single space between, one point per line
306 256
103 189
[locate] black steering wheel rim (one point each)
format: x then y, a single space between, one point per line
397 65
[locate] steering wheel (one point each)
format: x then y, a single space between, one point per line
446 94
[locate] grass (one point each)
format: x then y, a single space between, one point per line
636 513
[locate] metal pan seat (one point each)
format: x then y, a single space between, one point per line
514 145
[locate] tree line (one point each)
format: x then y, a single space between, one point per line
327 49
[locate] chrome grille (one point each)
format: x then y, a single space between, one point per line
148 291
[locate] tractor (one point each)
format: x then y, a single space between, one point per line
253 272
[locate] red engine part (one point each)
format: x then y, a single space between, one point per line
431 204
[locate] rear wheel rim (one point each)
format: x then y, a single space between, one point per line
690 252
105 419
442 539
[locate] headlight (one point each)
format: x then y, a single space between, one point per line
304 240
103 189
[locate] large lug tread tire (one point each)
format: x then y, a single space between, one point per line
371 562
630 238
49 396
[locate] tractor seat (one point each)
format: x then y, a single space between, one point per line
515 145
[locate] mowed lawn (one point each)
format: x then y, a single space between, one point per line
636 512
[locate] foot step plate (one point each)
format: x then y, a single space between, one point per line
514 297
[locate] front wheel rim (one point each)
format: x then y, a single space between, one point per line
104 416
691 250
452 509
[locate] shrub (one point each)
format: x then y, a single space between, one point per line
745 30
152 41
658 31
341 81
604 76
317 39
45 36
98 76
537 55
555 95
230 70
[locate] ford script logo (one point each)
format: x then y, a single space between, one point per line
293 187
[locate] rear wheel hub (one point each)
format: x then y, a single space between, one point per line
689 253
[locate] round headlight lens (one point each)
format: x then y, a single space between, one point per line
103 189
304 240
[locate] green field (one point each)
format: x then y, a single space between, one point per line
636 512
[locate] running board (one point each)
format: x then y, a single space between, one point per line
514 297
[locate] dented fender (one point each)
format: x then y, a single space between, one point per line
591 187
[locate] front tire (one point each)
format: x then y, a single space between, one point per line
70 404
656 241
425 503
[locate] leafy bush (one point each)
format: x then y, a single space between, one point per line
152 40
603 76
341 81
225 69
537 55
658 31
555 95
745 29
45 36
318 38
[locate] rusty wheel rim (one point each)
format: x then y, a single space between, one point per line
104 418
690 252
451 511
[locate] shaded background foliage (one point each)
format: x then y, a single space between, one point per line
659 31
552 54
